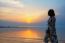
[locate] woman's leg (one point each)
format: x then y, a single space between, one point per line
47 36
46 39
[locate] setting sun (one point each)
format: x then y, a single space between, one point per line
28 19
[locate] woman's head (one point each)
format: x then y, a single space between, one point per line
51 12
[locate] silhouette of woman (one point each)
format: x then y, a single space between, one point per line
51 31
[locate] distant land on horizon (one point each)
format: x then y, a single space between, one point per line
19 26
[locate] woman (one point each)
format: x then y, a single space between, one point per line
51 31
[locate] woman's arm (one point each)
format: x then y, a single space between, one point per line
53 20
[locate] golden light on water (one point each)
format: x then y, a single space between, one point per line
29 34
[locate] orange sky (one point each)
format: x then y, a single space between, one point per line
31 15
23 11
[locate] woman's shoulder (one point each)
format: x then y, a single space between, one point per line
53 18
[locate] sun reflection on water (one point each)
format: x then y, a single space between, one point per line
25 35
29 34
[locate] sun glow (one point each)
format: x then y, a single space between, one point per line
23 15
28 19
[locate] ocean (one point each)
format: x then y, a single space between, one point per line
25 35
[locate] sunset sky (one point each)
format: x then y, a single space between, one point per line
31 13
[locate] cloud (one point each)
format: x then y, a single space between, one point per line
11 3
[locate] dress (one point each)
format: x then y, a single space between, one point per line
51 31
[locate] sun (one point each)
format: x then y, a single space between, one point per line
28 19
